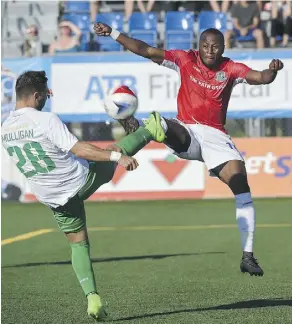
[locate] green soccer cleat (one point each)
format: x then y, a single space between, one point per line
95 308
153 125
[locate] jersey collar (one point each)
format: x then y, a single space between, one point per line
21 111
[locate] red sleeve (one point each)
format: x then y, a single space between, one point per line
173 59
239 70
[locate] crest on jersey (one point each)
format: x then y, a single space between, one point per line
221 76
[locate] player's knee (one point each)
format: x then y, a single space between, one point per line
228 34
77 237
258 33
238 184
178 137
109 172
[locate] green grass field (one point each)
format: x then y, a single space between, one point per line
155 262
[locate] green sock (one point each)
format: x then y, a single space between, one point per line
134 142
82 266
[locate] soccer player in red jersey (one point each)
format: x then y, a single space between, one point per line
198 132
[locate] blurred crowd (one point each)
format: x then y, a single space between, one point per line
245 19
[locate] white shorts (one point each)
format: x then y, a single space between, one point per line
209 145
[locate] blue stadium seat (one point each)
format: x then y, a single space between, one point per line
80 20
84 41
143 26
178 46
179 29
279 38
247 38
114 20
76 6
211 19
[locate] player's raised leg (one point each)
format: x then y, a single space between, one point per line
140 136
102 172
174 135
233 173
72 221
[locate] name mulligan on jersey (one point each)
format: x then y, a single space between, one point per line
21 134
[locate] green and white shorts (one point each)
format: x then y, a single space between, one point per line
71 217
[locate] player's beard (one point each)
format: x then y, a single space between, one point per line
212 64
41 103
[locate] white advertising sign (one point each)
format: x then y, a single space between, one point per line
160 175
79 88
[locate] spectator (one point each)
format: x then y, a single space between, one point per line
32 45
245 17
259 3
94 9
195 6
129 7
219 6
281 22
68 39
211 5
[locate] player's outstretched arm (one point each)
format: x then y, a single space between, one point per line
134 45
90 152
266 76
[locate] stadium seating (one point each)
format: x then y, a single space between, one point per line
179 28
247 38
212 19
143 26
76 6
114 20
18 15
80 20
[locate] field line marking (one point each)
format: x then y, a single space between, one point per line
178 227
26 236
29 235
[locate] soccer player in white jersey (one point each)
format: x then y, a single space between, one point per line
45 153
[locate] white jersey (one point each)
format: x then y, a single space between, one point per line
39 144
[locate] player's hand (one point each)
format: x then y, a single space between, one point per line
129 163
102 29
276 65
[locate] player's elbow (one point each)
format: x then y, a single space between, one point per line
78 150
266 80
268 76
145 50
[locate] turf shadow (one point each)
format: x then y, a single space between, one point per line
112 259
256 303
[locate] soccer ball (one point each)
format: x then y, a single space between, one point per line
122 103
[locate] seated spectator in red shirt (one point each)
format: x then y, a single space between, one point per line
245 16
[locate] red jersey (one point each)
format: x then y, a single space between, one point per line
204 94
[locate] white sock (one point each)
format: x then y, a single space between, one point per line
163 124
245 216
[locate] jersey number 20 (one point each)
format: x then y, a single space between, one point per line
26 154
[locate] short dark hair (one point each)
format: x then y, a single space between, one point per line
29 82
213 31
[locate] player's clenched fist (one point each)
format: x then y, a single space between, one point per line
102 29
276 65
129 163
